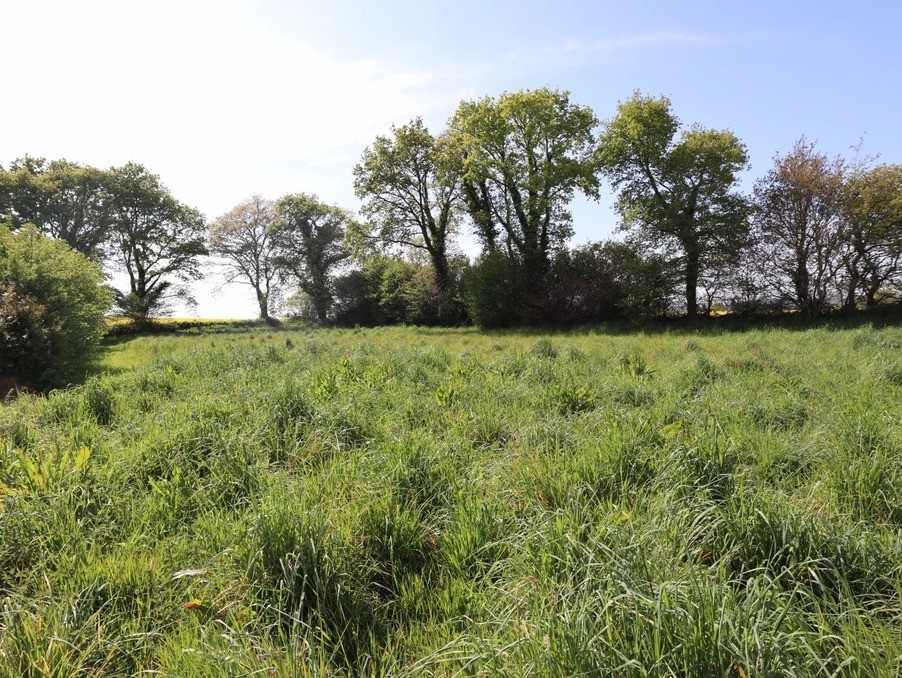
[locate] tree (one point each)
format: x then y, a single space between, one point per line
157 240
63 199
243 239
52 305
522 157
675 192
409 194
872 252
309 241
798 226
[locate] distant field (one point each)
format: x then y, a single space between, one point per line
435 502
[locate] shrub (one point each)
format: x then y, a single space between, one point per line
392 292
583 285
52 304
493 291
25 332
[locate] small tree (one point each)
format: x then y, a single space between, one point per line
872 242
243 240
798 226
494 291
52 303
309 241
157 240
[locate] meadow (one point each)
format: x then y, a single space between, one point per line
406 501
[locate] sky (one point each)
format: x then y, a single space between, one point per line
226 99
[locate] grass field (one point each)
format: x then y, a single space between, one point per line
435 502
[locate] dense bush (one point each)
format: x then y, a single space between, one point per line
493 291
583 285
388 291
25 332
52 302
592 283
650 286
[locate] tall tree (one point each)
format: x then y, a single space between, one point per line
158 241
675 192
63 199
522 157
872 251
309 241
798 226
242 238
409 194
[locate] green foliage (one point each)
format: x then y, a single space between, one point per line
308 239
52 304
872 205
388 291
522 158
157 240
410 195
676 193
494 291
63 199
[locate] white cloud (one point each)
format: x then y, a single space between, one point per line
200 92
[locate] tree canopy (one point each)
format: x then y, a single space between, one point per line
157 240
522 157
675 192
63 199
409 194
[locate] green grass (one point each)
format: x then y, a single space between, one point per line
439 502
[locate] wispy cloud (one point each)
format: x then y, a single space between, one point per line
574 52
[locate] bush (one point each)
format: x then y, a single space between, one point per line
52 303
25 332
650 286
494 291
583 285
394 292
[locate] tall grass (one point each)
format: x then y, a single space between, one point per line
413 501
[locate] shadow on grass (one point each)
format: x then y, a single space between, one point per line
886 316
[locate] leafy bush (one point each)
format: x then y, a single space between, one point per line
25 335
52 303
650 286
493 291
583 285
394 292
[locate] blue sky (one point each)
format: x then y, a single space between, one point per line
225 99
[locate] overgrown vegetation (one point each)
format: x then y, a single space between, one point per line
51 309
413 501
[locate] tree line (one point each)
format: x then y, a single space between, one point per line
815 233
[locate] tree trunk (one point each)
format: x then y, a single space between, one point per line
800 283
442 274
322 309
692 266
263 302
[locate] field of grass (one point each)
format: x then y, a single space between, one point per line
435 502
